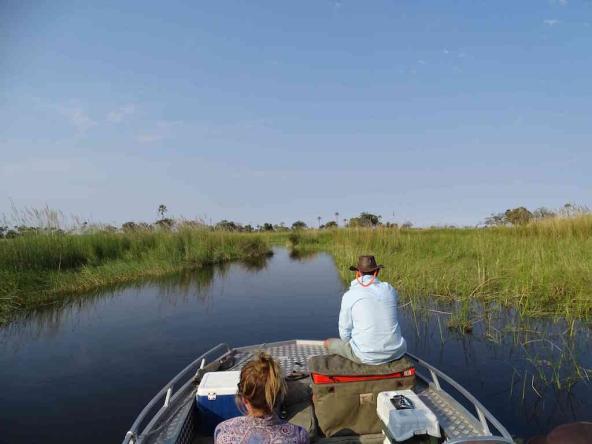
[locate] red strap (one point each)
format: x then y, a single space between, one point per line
361 281
317 378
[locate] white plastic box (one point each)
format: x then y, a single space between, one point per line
216 399
406 423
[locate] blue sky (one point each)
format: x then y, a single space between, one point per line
429 111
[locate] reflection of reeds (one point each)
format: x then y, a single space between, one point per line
553 360
38 268
256 263
544 370
548 355
303 255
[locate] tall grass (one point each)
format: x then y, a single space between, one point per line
37 269
543 268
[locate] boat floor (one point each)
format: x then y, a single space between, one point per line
455 421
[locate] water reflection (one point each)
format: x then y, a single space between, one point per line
106 353
173 289
256 264
537 369
302 255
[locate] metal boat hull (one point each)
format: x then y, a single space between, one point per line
171 416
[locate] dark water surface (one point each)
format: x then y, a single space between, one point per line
82 373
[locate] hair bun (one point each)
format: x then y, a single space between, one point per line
262 381
264 357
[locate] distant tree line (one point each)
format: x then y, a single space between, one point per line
511 217
7 232
522 215
163 222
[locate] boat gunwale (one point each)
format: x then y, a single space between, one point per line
487 415
134 437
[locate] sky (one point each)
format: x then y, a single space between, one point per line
433 112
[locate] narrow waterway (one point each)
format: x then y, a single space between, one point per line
85 370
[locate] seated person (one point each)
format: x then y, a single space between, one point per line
368 325
260 390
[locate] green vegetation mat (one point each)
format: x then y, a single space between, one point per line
39 269
541 269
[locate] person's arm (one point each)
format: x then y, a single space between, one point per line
395 296
345 320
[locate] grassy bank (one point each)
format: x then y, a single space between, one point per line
39 269
543 268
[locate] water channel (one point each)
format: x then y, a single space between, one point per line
83 371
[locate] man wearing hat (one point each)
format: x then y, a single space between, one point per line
368 326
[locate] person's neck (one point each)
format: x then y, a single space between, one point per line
256 413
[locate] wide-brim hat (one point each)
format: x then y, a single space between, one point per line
366 264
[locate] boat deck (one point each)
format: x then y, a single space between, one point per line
176 423
293 356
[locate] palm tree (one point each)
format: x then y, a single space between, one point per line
319 219
162 210
337 217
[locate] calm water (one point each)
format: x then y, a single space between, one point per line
87 369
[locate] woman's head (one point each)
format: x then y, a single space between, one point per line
261 384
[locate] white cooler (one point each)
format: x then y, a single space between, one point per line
406 423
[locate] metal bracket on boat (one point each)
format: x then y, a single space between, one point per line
435 379
483 421
130 437
167 398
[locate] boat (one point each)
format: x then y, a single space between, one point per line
172 417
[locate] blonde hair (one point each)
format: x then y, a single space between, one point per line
261 383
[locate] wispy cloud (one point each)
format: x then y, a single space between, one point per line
453 53
119 114
77 117
559 2
160 131
551 22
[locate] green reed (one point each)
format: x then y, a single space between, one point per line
543 268
40 268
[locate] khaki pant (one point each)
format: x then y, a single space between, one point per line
337 346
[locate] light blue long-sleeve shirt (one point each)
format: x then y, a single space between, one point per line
368 320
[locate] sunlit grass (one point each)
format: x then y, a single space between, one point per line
540 269
543 268
37 269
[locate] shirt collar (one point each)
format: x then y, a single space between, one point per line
365 279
